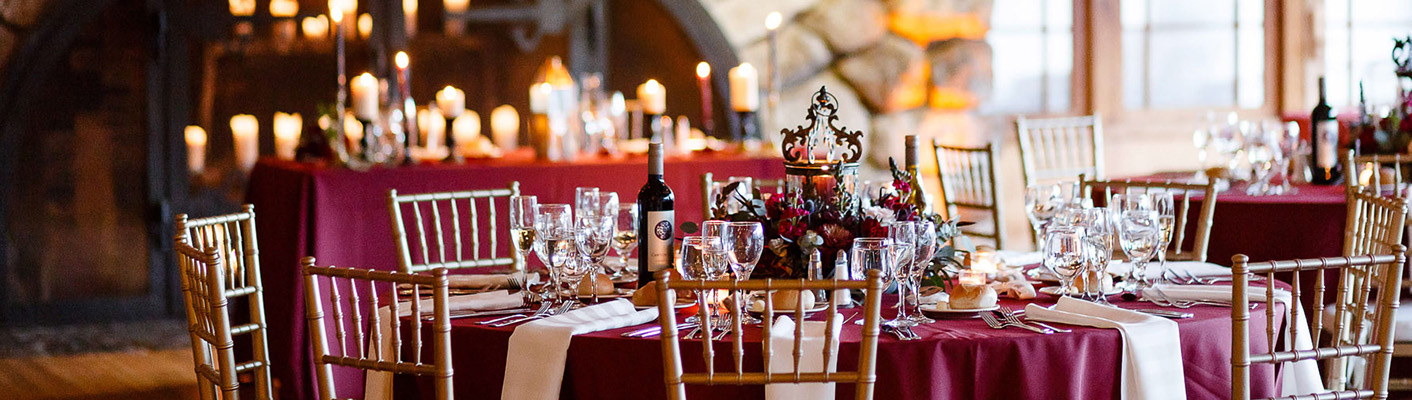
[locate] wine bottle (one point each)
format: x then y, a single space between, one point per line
1323 135
656 220
919 193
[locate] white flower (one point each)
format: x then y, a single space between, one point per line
883 215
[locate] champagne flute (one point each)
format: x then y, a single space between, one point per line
926 249
625 239
744 242
1165 207
1098 228
593 236
700 258
904 241
1139 236
1064 255
713 228
522 217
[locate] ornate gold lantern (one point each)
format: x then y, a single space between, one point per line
821 158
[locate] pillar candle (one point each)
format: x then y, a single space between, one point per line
539 97
653 97
683 135
365 97
433 127
195 149
451 101
409 10
353 130
242 8
745 88
315 28
245 130
287 129
404 75
456 6
365 26
466 128
505 127
283 8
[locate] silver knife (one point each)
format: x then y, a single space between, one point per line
656 330
1164 313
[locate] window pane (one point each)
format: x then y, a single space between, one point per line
1061 64
1134 64
1190 12
1192 69
1193 53
1032 48
1017 76
1021 14
1251 67
1372 64
1357 46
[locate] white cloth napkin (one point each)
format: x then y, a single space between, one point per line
477 281
1197 268
1152 355
534 366
811 355
1019 258
378 384
1300 378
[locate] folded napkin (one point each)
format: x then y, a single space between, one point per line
479 281
1019 258
1197 268
534 366
1152 356
1014 289
811 356
378 384
1300 378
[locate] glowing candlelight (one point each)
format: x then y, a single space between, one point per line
245 130
985 261
653 97
451 101
353 130
466 128
242 8
287 129
457 6
505 127
409 10
1365 177
283 8
195 149
703 80
539 97
745 88
972 277
433 127
365 25
315 27
365 97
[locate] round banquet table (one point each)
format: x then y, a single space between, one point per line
955 359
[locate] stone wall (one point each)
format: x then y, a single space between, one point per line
898 67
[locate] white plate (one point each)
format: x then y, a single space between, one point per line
680 305
1054 291
760 309
931 308
620 293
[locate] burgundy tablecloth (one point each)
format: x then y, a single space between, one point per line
340 216
956 359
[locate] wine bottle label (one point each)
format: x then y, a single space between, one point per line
1327 143
659 239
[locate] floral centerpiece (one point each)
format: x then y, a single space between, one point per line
819 207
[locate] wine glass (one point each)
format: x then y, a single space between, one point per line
625 239
585 201
926 249
1041 205
552 221
1098 229
1202 139
593 236
1260 152
522 217
713 228
607 204
1138 235
869 254
1289 145
1165 206
904 241
702 258
743 242
1064 255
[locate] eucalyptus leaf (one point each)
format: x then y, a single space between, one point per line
690 228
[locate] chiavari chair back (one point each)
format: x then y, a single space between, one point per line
968 181
1366 293
357 342
218 258
1055 149
711 189
676 379
1357 164
443 222
1182 196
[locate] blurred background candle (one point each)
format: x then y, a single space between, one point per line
365 26
242 8
433 127
457 6
970 277
653 97
466 128
505 127
195 149
283 8
365 97
453 25
703 80
284 25
451 101
353 130
245 130
772 27
316 27
287 129
745 88
409 10
539 97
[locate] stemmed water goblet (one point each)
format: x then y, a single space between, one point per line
925 249
702 258
1139 235
743 242
1042 203
552 221
625 238
1064 254
593 237
1289 147
904 241
585 201
1098 234
1262 153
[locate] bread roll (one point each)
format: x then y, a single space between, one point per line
790 300
1086 282
603 285
967 297
646 295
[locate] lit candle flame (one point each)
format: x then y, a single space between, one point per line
402 60
703 70
773 20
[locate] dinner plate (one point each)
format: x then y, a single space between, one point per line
680 305
956 312
758 309
1054 290
618 294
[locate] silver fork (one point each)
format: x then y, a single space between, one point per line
1160 298
543 308
990 320
552 312
1012 317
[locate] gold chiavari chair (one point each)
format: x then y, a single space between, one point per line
437 214
1375 224
968 180
1181 196
863 377
1355 164
710 187
1055 149
352 290
1362 290
219 260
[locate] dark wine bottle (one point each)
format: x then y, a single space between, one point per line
656 221
1323 136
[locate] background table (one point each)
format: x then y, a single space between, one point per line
955 359
340 216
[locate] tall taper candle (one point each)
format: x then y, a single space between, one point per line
703 80
409 11
245 130
287 129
